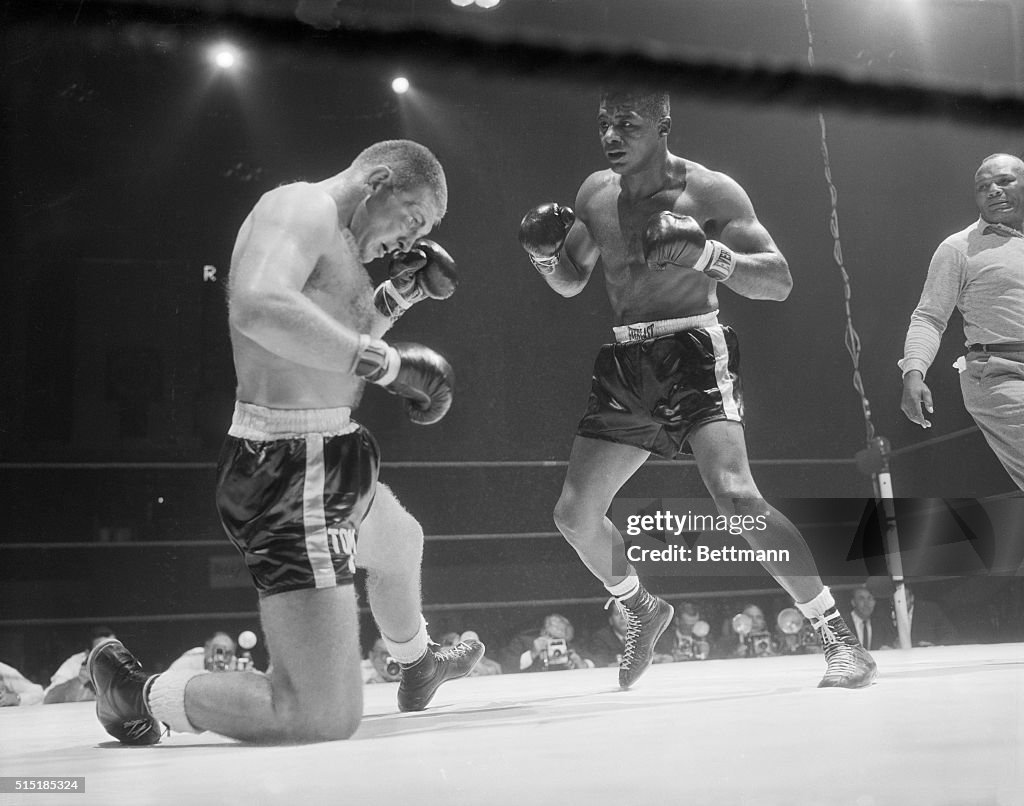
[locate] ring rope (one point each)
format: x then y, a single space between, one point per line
396 465
134 25
851 337
427 608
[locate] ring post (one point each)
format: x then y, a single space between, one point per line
875 460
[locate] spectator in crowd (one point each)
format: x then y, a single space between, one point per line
747 635
77 689
379 666
485 666
70 683
609 642
929 625
216 655
690 640
550 649
798 636
16 689
873 631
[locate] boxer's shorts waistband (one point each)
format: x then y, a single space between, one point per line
640 331
264 424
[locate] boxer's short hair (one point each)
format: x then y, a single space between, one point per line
413 166
650 105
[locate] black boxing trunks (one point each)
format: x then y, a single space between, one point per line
293 486
661 380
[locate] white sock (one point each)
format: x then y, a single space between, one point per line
626 588
816 608
166 699
408 652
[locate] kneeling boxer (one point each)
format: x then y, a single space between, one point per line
297 483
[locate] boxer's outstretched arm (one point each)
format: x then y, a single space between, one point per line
277 250
761 271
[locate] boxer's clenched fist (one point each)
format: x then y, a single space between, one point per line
671 240
543 231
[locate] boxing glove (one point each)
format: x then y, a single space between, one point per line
543 231
414 372
673 240
426 271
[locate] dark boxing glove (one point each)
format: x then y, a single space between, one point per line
426 271
420 375
673 240
542 233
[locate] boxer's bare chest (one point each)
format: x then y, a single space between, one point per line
616 221
341 287
637 293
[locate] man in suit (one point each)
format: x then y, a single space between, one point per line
929 625
874 631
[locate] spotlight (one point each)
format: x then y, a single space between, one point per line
224 56
487 3
400 85
462 3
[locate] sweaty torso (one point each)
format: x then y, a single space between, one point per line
340 287
616 222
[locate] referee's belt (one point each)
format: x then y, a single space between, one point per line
998 347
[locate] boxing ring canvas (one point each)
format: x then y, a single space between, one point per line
941 727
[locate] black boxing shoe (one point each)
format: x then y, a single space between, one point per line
848 663
120 686
647 617
421 680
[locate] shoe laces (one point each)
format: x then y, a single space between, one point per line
634 626
455 652
840 657
828 637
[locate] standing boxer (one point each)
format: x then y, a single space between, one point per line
668 231
297 478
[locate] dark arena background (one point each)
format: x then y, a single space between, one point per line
130 159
